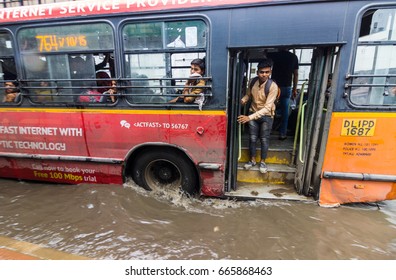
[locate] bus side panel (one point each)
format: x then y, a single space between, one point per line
362 145
29 136
90 146
200 134
56 132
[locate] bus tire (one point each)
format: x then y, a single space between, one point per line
159 169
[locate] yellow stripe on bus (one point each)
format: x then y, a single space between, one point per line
112 111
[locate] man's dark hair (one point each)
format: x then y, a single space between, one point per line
200 63
15 83
267 62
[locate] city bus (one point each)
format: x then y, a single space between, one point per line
86 90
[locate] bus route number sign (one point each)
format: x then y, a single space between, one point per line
358 127
50 43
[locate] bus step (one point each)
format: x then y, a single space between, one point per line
278 156
277 174
266 191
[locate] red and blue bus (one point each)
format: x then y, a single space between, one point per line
57 125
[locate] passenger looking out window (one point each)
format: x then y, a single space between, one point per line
105 91
197 71
103 81
110 94
11 92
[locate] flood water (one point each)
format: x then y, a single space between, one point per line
126 223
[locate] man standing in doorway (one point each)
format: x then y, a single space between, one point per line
284 73
261 112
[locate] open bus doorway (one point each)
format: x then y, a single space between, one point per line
293 164
304 57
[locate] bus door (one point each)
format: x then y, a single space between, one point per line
236 92
313 123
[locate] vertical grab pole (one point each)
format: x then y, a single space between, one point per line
239 141
240 134
298 121
301 133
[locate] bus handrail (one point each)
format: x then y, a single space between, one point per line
368 85
298 118
349 76
56 89
301 133
239 142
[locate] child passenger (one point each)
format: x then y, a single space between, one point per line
197 70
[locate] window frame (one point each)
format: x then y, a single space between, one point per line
352 77
58 84
164 82
11 56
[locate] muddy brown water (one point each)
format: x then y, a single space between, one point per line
126 223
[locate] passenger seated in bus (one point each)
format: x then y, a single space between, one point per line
196 71
109 95
90 95
106 90
43 94
103 81
82 69
11 92
106 86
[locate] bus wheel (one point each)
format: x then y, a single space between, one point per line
153 170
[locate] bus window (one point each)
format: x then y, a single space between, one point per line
157 57
374 74
185 34
5 45
140 67
7 65
60 62
304 65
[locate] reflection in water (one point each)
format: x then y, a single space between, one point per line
126 222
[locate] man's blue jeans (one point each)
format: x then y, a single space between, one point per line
260 128
284 101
